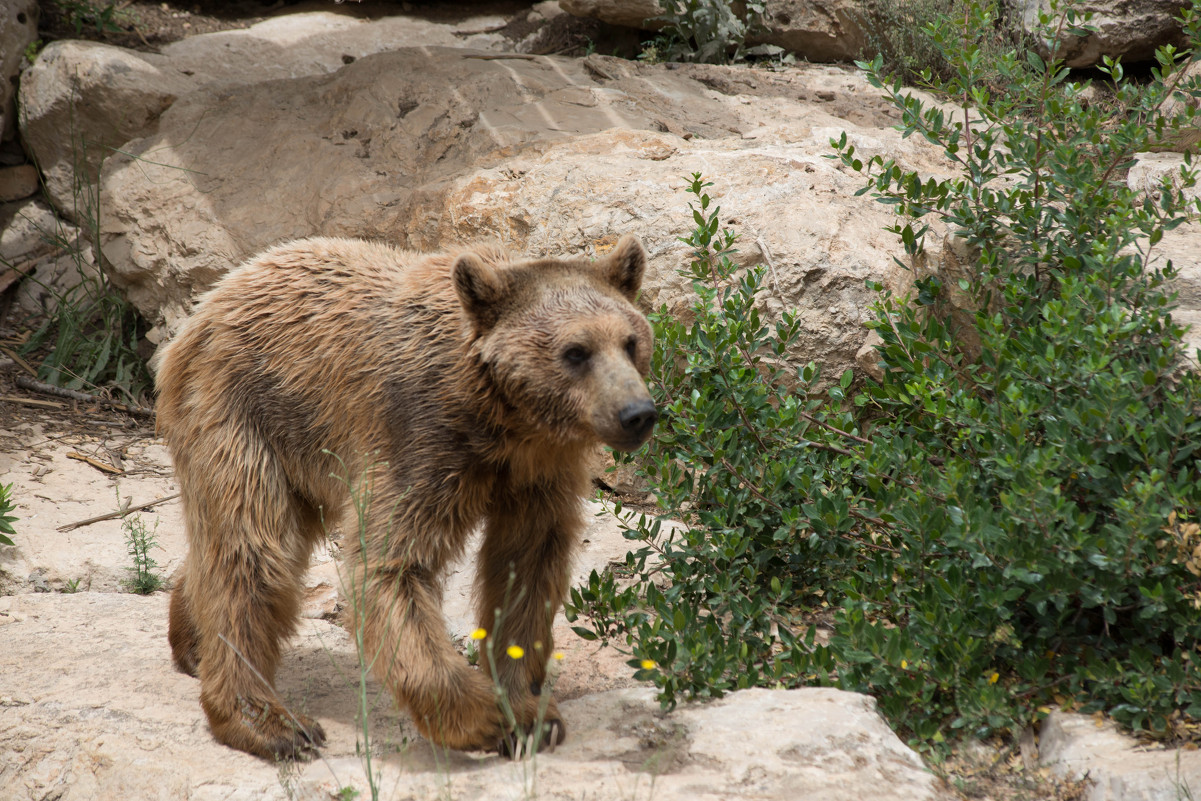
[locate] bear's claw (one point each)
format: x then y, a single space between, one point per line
515 745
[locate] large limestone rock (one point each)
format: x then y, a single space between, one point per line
81 101
430 146
819 259
1118 768
18 27
826 30
1126 29
630 13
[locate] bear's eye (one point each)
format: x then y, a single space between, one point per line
632 348
576 355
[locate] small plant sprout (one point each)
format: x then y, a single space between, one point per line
143 579
6 520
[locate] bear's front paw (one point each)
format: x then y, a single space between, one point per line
268 729
472 722
523 742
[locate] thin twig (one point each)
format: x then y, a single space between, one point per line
771 266
119 513
87 397
818 421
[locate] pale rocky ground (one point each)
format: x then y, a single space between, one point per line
423 132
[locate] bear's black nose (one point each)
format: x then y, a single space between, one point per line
638 417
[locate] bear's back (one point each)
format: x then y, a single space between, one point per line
312 341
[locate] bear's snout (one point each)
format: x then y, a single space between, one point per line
637 419
626 427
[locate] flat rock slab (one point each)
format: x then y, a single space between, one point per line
1119 767
91 708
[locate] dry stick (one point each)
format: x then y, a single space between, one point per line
502 56
23 364
104 467
599 71
119 513
44 404
21 269
50 389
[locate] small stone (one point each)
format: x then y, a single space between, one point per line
18 182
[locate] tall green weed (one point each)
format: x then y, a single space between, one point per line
90 334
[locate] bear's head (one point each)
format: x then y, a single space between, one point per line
564 344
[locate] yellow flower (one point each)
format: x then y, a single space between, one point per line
558 654
994 677
515 651
648 664
904 664
479 634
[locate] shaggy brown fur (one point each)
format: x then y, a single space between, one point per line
467 389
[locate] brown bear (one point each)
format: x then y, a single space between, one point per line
468 388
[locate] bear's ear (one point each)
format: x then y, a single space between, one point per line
625 266
480 288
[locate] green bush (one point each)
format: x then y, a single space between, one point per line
901 33
709 31
1005 521
82 14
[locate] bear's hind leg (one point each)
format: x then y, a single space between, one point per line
242 595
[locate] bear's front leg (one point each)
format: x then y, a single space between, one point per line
523 575
405 641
